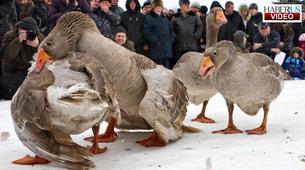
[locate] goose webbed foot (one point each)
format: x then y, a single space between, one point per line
229 130
29 160
95 149
203 119
257 131
153 140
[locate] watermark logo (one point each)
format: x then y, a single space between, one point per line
279 13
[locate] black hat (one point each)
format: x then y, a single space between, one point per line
120 29
28 23
253 6
186 2
263 24
148 2
204 9
215 4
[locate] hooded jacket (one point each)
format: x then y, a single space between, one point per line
132 21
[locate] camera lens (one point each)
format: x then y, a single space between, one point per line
31 35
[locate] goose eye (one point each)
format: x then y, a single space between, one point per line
214 53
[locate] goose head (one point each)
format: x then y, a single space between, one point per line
216 17
215 57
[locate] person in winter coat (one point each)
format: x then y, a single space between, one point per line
19 46
187 30
146 7
132 20
60 7
116 8
295 63
40 12
243 11
266 41
8 17
299 28
235 23
157 32
252 24
106 20
122 39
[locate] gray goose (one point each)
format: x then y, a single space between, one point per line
66 97
198 89
252 81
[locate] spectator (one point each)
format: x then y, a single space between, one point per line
146 7
60 7
24 8
121 38
171 14
187 30
95 5
195 7
244 13
216 4
295 63
116 8
252 24
19 46
48 3
286 33
235 22
299 28
40 14
8 17
266 41
106 20
203 12
157 31
132 21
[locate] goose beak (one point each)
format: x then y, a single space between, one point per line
220 17
206 67
42 58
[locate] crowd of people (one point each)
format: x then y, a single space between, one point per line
150 29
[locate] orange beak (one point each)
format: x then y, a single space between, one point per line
206 67
42 58
220 17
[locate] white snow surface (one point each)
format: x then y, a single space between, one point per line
282 148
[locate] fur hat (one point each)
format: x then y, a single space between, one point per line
186 2
156 3
195 4
297 50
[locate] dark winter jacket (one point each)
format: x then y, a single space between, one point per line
16 56
187 31
272 41
252 26
133 22
41 16
235 23
295 67
157 32
8 17
59 7
203 35
129 45
116 9
107 23
298 28
286 33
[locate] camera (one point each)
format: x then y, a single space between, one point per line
30 35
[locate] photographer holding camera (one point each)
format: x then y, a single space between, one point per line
19 46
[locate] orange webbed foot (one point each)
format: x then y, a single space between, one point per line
153 140
257 131
95 149
106 137
203 119
228 130
29 160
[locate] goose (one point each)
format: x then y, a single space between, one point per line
252 81
66 97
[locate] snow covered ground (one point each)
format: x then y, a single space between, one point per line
282 148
